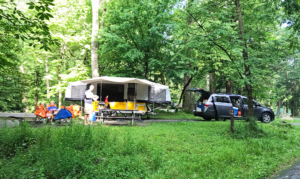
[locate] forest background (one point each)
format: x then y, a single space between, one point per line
235 46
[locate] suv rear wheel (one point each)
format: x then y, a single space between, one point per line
221 119
266 117
207 119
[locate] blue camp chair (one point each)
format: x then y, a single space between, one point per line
63 116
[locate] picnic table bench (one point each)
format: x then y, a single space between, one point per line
19 116
22 116
114 114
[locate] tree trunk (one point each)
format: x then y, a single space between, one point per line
59 85
162 77
269 100
228 86
242 90
95 44
25 100
212 87
247 72
102 67
47 81
296 113
279 106
183 90
292 107
186 95
207 82
102 21
36 96
85 57
146 69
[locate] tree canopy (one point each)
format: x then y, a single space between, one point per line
236 46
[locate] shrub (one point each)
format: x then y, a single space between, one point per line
243 130
14 139
76 152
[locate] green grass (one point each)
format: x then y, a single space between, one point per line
176 115
162 150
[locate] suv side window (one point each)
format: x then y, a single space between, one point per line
222 99
245 101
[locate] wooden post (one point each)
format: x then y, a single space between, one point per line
232 120
101 118
153 111
135 93
101 92
132 118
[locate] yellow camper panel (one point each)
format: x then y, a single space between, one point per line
96 105
123 106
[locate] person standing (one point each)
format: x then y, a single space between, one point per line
88 104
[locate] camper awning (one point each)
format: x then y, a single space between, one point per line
107 79
146 90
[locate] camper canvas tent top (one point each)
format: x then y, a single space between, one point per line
121 89
75 91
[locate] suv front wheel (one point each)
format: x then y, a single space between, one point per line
266 117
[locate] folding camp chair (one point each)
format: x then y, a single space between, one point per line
64 116
41 115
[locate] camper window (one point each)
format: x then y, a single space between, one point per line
115 92
131 91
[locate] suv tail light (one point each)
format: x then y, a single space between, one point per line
206 105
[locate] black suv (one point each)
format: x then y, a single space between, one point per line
218 106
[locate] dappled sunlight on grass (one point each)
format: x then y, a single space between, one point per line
162 150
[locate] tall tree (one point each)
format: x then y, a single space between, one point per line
187 95
228 86
246 47
247 71
95 44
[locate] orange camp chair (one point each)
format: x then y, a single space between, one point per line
76 110
70 108
40 114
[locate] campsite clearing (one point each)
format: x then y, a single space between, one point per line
162 150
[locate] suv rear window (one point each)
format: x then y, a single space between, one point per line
222 99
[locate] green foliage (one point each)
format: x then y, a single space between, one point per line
14 141
11 89
78 151
218 31
37 66
136 40
16 24
291 18
157 40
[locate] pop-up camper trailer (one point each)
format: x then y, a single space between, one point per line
124 94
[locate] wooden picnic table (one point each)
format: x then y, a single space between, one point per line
109 114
